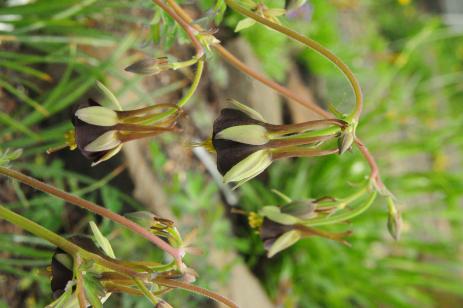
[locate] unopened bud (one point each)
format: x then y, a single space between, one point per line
163 304
394 220
149 66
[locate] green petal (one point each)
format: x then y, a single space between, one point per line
97 115
247 110
105 142
286 240
249 167
108 155
248 134
274 213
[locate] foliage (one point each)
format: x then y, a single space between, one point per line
410 65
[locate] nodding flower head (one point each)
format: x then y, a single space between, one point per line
277 236
99 132
282 226
246 145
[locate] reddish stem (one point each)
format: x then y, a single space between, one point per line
94 208
230 58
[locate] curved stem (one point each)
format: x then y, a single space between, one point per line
313 45
141 286
59 241
230 58
185 25
234 61
374 175
194 85
94 208
80 283
195 289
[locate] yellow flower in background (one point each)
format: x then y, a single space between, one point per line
404 2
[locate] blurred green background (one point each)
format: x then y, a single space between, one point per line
408 55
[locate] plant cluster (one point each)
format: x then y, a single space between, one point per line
86 271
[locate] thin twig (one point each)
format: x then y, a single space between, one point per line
195 289
94 208
230 58
185 25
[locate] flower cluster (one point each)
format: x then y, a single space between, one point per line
246 145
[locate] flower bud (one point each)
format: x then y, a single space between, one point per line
394 220
149 66
346 139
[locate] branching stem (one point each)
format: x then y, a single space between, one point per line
230 58
94 208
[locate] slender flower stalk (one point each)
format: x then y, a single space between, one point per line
195 289
234 61
80 284
61 242
313 45
177 254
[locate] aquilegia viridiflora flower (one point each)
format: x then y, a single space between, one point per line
246 145
280 227
99 132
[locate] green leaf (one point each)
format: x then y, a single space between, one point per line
245 23
101 240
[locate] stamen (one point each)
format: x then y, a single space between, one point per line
57 148
70 139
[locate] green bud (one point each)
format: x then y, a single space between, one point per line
149 66
394 220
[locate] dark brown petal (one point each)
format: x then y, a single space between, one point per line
232 117
229 153
270 230
86 133
60 274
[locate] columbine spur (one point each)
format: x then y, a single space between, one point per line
246 145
